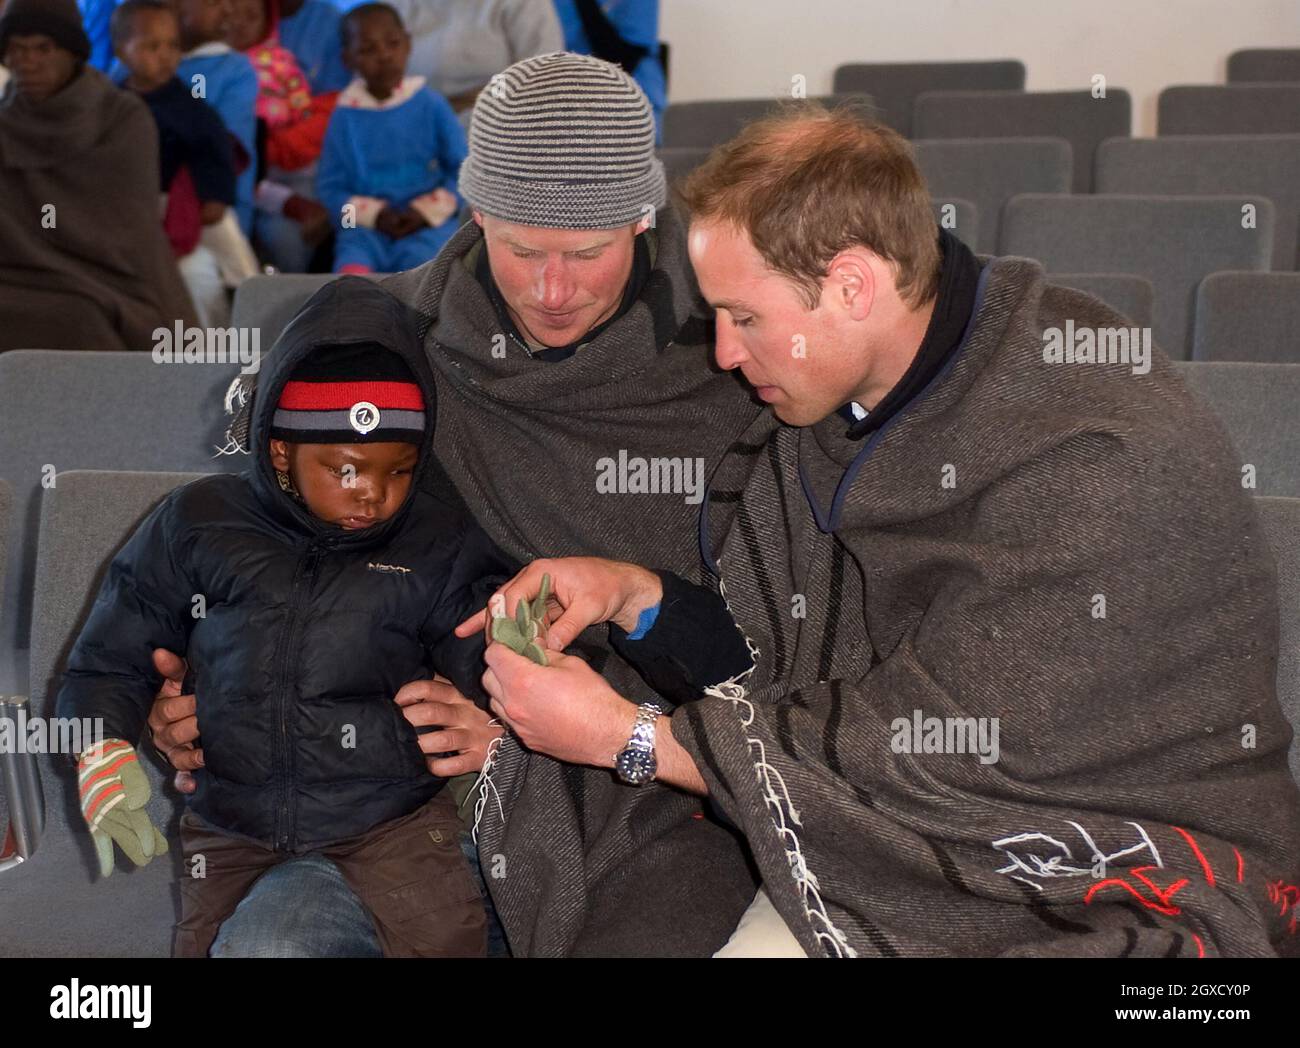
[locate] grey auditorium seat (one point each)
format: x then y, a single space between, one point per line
1173 241
1078 117
1257 403
1212 165
1248 317
896 85
55 903
990 171
63 410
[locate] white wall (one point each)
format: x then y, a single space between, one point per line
749 48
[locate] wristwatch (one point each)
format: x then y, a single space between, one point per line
636 764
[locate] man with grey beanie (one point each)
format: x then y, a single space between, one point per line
578 415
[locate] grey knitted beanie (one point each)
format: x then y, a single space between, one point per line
563 141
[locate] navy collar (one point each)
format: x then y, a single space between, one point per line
959 275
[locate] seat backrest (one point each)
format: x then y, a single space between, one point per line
1212 165
55 904
1173 241
1229 109
709 123
268 303
1126 293
62 410
990 171
680 161
960 217
1273 64
1281 519
1250 317
1257 404
1078 117
895 85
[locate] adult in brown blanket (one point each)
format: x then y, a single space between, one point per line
1015 617
85 263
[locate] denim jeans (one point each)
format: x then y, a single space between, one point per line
303 908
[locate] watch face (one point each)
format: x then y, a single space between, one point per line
636 766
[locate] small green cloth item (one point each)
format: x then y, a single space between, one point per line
114 791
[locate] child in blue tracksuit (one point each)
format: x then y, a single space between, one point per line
229 86
392 154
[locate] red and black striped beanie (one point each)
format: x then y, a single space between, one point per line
361 394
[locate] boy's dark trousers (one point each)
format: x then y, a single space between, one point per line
409 874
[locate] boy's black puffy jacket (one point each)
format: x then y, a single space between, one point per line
298 633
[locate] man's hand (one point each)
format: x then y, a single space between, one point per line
584 591
173 720
565 709
463 727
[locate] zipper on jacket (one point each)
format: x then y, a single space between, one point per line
285 831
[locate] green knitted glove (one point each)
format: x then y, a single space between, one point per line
114 791
525 633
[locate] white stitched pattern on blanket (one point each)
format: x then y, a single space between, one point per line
1056 865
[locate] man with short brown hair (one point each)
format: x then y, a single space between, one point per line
1015 618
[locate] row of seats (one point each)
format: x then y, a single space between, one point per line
1085 118
51 900
989 172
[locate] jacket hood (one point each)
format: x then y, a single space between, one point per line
347 311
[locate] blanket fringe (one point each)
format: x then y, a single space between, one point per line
484 782
783 814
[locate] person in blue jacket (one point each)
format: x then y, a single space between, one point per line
625 32
229 85
392 154
310 29
96 15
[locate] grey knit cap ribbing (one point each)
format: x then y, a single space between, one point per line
563 141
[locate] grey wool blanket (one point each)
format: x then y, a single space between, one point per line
576 862
1015 689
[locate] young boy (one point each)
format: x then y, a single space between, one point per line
392 153
229 85
195 159
305 591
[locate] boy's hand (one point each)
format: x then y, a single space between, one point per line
114 790
464 728
173 723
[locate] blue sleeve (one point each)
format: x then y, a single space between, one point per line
239 108
95 16
452 146
334 183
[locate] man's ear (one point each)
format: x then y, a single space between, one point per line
280 455
644 222
852 282
478 216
